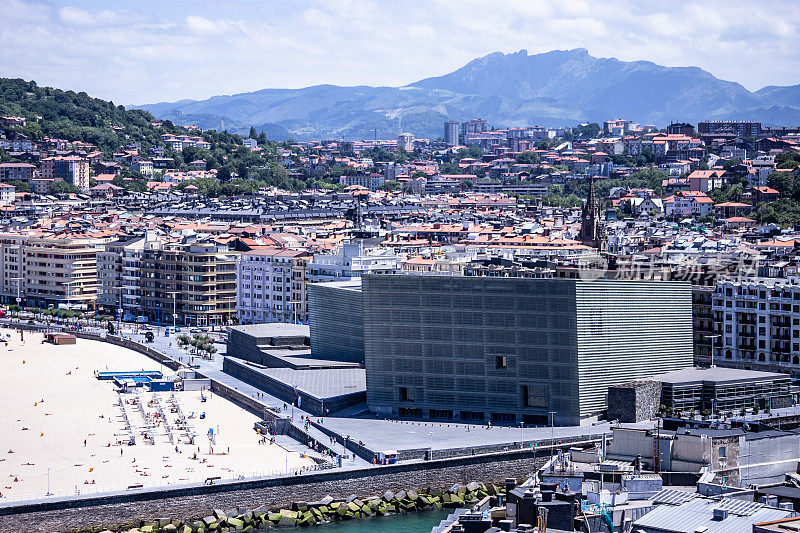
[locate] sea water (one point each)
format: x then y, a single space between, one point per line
402 523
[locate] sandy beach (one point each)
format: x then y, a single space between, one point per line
56 415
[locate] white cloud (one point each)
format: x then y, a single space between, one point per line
150 50
206 26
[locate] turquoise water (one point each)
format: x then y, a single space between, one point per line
407 523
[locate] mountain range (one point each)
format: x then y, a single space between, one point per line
558 88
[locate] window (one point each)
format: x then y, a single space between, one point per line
723 452
406 394
504 417
501 361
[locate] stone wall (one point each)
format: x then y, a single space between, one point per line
200 500
634 402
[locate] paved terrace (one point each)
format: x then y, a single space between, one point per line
382 435
374 434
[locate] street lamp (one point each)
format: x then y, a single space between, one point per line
712 338
174 308
552 436
294 308
18 279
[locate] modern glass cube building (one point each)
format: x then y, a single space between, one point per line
336 320
514 350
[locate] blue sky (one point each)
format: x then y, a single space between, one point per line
146 51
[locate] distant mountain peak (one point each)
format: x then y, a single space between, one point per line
555 88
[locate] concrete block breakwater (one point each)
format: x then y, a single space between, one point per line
325 510
132 508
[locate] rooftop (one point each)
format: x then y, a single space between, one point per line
715 374
277 329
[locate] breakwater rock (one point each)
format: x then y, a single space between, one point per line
328 509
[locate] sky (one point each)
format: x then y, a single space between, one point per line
147 51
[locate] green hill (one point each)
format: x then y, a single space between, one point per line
76 116
79 117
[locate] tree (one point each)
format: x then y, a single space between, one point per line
587 131
787 159
784 212
528 157
784 182
262 139
727 194
62 187
20 186
390 186
224 174
730 163
556 197
253 132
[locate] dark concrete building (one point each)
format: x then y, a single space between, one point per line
514 350
254 342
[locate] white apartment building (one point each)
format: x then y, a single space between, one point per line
271 286
119 275
352 260
405 141
7 194
145 168
249 143
758 320
179 142
372 182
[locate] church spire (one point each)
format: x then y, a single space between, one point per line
591 233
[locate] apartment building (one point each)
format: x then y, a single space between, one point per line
119 273
758 320
372 182
7 194
179 142
72 169
49 271
742 128
62 271
12 267
144 168
350 261
477 125
16 171
271 286
192 283
405 141
451 133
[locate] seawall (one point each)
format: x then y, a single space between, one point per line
199 500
